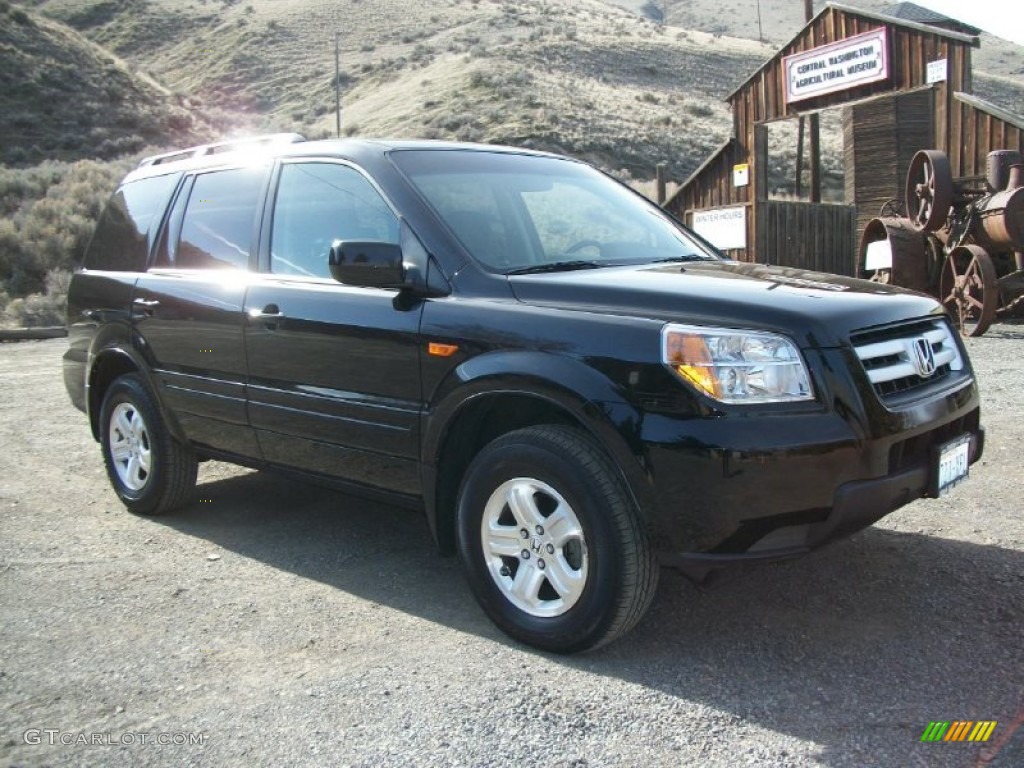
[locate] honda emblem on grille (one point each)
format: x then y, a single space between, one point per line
924 357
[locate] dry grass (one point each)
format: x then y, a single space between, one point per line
65 97
272 62
580 77
782 19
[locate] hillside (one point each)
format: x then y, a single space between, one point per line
610 82
64 97
781 19
607 83
581 77
998 63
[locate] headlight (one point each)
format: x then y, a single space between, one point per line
735 366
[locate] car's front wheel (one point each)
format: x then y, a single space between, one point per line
151 472
553 546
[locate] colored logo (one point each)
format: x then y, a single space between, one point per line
959 730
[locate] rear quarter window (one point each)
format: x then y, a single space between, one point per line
127 226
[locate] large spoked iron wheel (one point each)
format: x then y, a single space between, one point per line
150 471
551 541
969 289
929 190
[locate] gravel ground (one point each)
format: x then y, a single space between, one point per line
283 624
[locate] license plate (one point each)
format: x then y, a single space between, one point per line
953 460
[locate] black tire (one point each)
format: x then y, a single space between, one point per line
615 563
170 479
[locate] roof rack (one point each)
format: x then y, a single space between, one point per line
221 146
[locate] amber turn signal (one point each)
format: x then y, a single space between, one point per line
442 350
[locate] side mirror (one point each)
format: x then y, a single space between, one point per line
368 264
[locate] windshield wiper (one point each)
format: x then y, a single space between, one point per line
687 257
557 266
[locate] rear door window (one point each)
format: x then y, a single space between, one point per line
220 215
125 232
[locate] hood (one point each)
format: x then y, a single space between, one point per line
814 309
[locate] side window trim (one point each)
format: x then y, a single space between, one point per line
267 219
171 227
158 234
257 220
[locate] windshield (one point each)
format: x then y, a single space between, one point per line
521 213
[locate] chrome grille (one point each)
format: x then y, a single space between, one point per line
907 357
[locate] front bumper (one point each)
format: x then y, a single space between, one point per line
856 505
770 485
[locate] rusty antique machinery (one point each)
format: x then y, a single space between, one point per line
962 242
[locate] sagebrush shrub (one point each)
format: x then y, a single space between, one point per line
50 212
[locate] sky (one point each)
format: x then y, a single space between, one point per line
1004 18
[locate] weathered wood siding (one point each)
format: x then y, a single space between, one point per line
941 115
954 125
880 138
711 185
980 128
814 236
763 97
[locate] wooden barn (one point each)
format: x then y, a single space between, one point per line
904 85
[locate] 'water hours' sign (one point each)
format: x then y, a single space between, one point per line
835 67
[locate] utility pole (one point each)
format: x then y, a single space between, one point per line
760 31
337 84
814 139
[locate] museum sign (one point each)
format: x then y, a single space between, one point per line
837 67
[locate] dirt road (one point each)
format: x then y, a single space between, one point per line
273 623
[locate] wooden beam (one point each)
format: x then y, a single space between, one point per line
799 191
815 130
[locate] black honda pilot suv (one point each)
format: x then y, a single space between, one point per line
572 386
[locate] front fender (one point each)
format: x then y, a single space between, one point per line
588 397
563 381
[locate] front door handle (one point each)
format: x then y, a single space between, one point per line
145 308
269 313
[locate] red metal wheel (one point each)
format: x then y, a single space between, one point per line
969 289
929 190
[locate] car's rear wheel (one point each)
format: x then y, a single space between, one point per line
151 472
552 544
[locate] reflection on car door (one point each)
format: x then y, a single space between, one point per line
187 309
333 369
